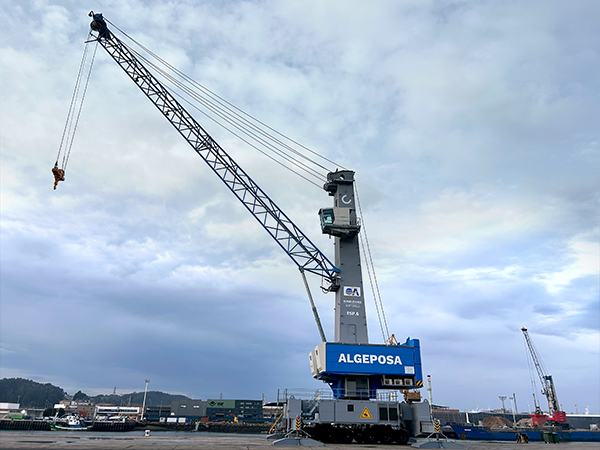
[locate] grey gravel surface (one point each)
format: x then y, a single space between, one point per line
191 441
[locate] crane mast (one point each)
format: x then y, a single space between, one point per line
342 223
548 389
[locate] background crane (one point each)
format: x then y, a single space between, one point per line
548 389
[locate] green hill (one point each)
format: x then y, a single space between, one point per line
153 398
31 394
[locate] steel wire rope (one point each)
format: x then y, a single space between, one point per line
184 88
167 97
371 267
227 116
69 121
87 80
244 140
240 126
538 359
362 246
220 99
215 99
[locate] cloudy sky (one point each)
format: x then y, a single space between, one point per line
473 128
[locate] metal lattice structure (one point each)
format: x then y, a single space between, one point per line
547 383
291 239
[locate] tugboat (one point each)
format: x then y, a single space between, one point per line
70 423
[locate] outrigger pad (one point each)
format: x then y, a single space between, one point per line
439 444
298 441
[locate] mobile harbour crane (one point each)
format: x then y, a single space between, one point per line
354 369
548 389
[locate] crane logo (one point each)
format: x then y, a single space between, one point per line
350 291
358 358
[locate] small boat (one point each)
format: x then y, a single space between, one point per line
71 423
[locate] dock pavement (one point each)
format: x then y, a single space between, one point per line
193 441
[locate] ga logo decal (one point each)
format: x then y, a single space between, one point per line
350 291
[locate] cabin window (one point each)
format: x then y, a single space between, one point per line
327 217
383 414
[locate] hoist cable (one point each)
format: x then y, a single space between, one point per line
194 95
177 94
221 100
362 246
73 100
371 267
87 80
223 115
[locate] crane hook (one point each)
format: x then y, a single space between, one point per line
59 174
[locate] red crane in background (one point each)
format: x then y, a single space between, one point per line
555 414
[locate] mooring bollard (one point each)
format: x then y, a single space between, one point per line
147 433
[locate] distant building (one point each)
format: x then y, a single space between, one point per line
211 409
85 409
233 409
157 413
111 412
9 409
272 410
188 408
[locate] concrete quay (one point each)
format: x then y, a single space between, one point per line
192 441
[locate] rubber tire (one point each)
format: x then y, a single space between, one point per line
386 437
401 437
344 436
368 437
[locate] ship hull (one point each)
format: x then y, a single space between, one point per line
479 433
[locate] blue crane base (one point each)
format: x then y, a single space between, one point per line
357 371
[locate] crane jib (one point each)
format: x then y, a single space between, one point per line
289 237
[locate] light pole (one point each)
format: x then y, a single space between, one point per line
502 398
144 404
429 390
514 400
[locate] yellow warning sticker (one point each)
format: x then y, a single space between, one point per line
366 414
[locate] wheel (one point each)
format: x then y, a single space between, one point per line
343 436
385 437
400 437
367 437
321 433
